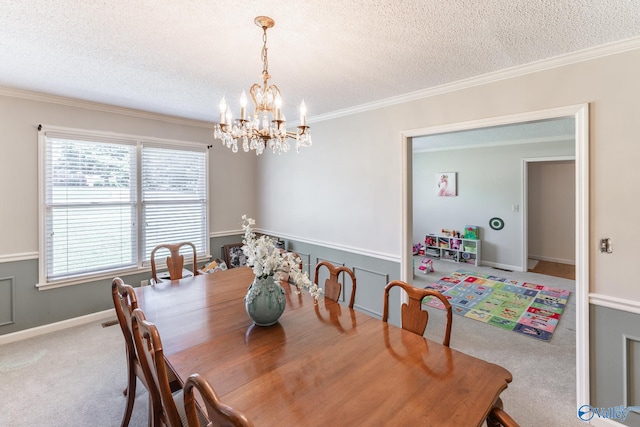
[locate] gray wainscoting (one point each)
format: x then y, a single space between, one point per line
7 300
372 275
615 359
28 307
23 306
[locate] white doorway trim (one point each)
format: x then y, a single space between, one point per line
525 200
580 113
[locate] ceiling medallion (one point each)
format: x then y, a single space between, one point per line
267 126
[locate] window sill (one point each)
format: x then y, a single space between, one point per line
90 279
84 280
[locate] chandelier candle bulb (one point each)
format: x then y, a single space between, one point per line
243 106
278 103
303 114
223 110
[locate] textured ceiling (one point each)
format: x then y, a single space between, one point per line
181 57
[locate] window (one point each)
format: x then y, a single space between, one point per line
174 197
108 201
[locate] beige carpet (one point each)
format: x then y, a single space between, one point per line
68 378
543 391
75 377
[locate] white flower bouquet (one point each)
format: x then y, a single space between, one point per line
267 260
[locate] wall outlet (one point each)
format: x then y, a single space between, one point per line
144 283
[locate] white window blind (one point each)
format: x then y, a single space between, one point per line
90 202
107 202
174 197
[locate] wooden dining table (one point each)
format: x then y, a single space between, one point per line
322 364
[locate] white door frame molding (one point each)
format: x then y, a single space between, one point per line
580 113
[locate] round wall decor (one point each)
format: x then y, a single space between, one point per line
496 223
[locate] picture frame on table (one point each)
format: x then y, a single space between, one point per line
233 255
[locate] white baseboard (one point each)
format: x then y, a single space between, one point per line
57 326
552 259
484 263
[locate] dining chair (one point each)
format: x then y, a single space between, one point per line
166 406
332 286
125 302
175 261
499 418
414 318
220 414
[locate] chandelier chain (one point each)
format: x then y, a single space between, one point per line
265 60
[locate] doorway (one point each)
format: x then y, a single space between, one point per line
580 115
549 215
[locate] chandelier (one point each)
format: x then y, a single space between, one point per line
267 126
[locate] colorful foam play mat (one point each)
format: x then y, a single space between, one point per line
526 308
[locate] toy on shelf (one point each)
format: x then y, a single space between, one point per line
471 232
443 242
426 266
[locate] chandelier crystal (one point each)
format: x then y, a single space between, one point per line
266 128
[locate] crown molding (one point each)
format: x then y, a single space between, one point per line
507 73
96 106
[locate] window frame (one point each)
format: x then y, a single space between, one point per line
142 265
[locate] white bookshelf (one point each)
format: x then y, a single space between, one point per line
454 249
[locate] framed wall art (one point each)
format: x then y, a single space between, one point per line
446 184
